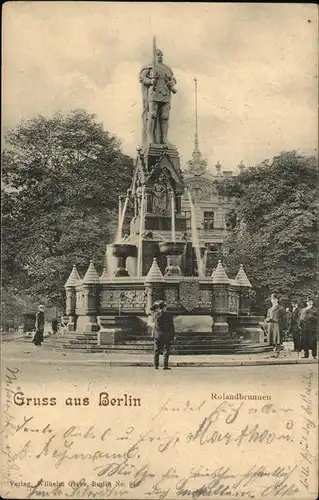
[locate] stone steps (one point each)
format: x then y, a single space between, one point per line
148 348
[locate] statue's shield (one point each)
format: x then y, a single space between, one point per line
189 294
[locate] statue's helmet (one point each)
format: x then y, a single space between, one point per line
159 52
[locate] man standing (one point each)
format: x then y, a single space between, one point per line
163 333
276 323
158 83
309 329
294 329
39 327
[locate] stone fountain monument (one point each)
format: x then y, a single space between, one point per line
157 260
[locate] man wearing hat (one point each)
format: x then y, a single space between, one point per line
163 333
39 326
276 322
309 329
294 329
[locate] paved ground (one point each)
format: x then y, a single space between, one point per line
22 351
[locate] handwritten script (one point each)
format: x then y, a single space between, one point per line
181 447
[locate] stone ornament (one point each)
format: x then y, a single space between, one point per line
233 302
219 275
171 297
130 299
91 276
205 299
154 275
189 294
201 189
242 277
73 279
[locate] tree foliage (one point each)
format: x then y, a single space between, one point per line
62 176
276 239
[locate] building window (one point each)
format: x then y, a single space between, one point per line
208 220
188 220
215 249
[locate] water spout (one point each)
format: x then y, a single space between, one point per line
195 239
121 217
140 238
173 218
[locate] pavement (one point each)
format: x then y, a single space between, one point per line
19 350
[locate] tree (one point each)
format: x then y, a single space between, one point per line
276 239
63 176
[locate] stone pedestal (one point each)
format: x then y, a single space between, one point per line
87 324
248 327
88 308
154 153
220 326
220 308
113 329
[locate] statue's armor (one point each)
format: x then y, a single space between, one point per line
164 79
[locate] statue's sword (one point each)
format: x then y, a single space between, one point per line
154 62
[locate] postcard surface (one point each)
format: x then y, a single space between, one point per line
86 412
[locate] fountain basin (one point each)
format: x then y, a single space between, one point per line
124 250
172 250
121 251
172 247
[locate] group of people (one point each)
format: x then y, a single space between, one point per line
301 324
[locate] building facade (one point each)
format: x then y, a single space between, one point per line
215 215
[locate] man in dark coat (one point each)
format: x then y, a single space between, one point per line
276 323
163 333
294 329
309 329
39 327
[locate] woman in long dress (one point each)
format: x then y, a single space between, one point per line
39 327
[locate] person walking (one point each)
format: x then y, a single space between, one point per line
309 329
39 326
54 326
276 323
294 329
163 333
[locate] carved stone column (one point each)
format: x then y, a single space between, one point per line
220 301
70 307
70 293
89 310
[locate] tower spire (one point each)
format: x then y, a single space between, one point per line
196 117
196 165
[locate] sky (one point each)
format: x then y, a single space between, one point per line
256 66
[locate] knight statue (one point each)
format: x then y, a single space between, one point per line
158 83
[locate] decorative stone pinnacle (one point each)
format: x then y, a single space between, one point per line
219 275
91 276
154 274
73 279
242 277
